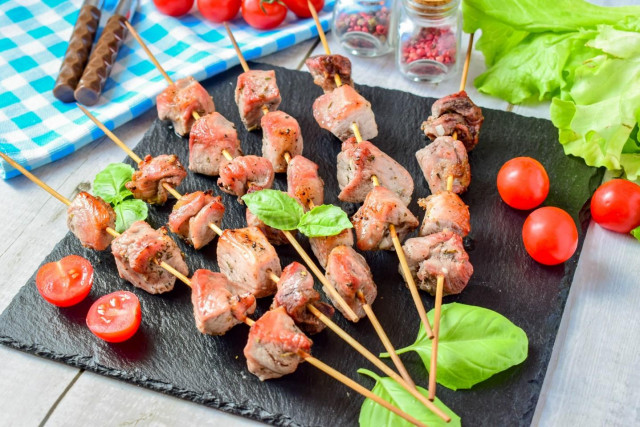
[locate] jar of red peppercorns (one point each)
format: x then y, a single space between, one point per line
428 38
365 27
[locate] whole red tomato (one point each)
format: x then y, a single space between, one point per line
219 10
616 205
173 7
301 8
263 14
523 183
550 236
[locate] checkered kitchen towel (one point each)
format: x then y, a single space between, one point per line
36 128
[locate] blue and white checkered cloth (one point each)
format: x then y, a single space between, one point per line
36 128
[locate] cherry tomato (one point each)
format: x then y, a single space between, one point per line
550 235
301 9
263 14
66 282
115 317
616 205
173 7
219 10
523 183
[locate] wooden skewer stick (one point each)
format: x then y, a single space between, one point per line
153 59
244 64
323 37
467 61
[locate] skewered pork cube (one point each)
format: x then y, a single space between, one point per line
445 211
209 137
381 208
244 173
357 163
178 102
304 183
88 218
337 110
439 253
442 158
280 134
275 236
459 103
247 258
322 246
448 124
295 293
138 253
192 214
349 273
148 181
273 345
216 306
324 68
256 89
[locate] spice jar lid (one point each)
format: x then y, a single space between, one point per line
432 9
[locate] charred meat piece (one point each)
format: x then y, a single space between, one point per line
209 137
337 110
256 89
323 69
247 258
458 103
295 293
280 134
349 273
138 253
381 208
273 345
455 113
88 218
304 183
357 163
245 173
442 158
216 306
322 246
192 214
439 253
445 211
148 181
178 102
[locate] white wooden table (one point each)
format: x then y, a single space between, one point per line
593 378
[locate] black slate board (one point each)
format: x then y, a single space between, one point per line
169 355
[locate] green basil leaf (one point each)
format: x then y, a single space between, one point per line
275 208
324 220
475 343
109 183
372 414
128 212
636 233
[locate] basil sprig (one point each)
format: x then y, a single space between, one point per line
279 210
636 233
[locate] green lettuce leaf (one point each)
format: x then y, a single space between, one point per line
275 208
109 184
128 212
324 220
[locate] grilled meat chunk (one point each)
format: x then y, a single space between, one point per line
442 158
381 208
439 253
349 273
455 113
148 181
273 345
323 69
88 218
304 183
445 211
138 253
244 173
295 293
458 103
322 246
216 306
256 89
280 134
275 236
336 111
192 214
357 163
247 258
178 102
210 136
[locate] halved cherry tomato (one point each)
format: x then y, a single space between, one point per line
550 236
616 205
173 7
301 8
219 10
523 183
263 14
66 282
115 317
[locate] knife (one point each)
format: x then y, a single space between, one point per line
104 55
77 54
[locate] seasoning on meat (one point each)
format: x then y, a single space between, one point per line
88 218
178 102
445 211
304 183
323 69
192 214
442 158
337 110
280 134
244 173
322 246
255 90
138 253
210 136
148 181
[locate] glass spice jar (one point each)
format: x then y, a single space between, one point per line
364 27
428 39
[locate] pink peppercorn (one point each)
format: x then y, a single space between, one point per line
432 44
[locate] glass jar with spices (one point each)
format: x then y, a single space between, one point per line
428 39
364 27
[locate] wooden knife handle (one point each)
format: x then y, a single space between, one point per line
102 59
84 32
